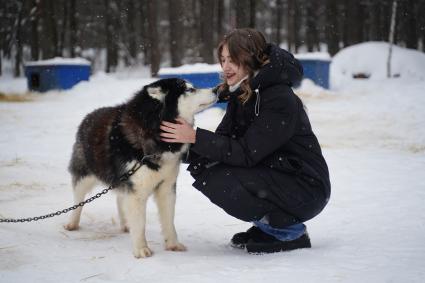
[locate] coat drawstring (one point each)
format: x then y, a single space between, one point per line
257 102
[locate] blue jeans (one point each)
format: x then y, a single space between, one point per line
283 234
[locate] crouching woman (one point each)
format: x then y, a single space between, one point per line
263 164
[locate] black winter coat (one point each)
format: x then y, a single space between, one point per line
270 130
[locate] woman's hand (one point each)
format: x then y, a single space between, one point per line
182 132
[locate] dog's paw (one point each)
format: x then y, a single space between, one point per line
176 247
143 252
71 227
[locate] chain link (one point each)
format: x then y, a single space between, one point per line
123 178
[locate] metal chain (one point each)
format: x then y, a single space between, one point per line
66 210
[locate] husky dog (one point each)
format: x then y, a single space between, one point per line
111 140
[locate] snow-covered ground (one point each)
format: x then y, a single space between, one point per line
373 137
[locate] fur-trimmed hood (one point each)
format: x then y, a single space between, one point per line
283 68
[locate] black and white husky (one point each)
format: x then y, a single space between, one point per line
111 140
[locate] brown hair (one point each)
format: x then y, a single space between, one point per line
246 47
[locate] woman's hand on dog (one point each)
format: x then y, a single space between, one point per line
180 132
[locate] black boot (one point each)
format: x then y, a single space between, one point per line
239 240
269 244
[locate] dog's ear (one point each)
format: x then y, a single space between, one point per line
156 93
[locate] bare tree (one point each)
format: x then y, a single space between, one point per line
73 30
252 14
421 24
355 20
290 27
391 37
130 37
64 28
278 24
243 13
411 24
155 55
111 24
34 42
19 39
144 34
332 38
127 29
175 10
207 30
49 25
312 38
220 19
297 25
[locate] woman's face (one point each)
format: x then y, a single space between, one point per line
232 72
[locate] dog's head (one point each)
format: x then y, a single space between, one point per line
179 98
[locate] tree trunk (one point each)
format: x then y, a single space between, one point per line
144 31
391 36
279 12
18 40
421 24
385 21
220 19
331 25
111 24
50 35
153 37
196 20
252 10
374 14
411 24
355 21
243 13
176 32
290 23
207 45
297 25
61 44
131 32
73 30
34 43
312 38
310 27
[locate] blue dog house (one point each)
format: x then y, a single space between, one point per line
200 75
315 65
57 73
316 68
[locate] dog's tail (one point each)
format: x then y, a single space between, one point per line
78 164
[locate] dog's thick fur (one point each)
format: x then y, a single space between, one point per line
110 140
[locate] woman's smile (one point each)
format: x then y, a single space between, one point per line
233 73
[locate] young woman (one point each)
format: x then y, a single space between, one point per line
263 164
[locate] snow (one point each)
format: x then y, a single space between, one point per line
370 58
191 68
59 61
321 56
13 86
372 136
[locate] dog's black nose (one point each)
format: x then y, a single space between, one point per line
222 96
215 90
